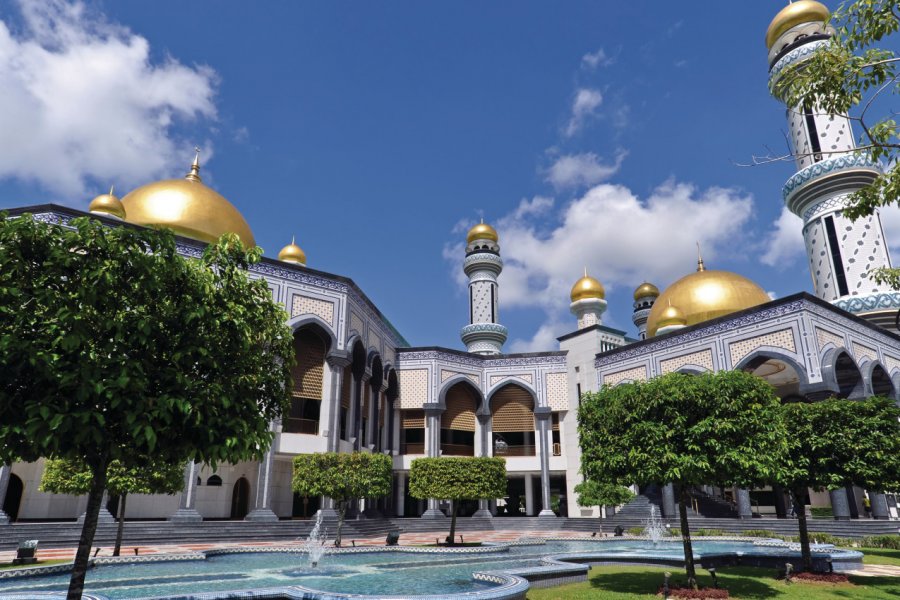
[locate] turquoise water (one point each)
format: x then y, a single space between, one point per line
364 573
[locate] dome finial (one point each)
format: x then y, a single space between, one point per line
194 175
700 266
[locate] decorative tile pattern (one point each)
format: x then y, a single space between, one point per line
796 55
857 304
547 359
557 391
356 324
860 352
635 374
826 337
495 379
778 339
702 358
303 305
445 375
891 363
413 388
825 167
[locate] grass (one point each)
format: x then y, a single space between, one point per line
880 556
627 583
39 563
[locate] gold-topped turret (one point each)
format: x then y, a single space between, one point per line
292 253
795 13
107 204
671 316
482 231
646 290
587 288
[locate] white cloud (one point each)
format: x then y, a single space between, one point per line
785 242
584 107
576 170
595 59
544 338
82 103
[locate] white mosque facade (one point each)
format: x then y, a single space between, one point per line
359 386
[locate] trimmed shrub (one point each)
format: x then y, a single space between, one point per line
891 542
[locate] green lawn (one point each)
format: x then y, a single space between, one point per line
881 556
625 583
40 563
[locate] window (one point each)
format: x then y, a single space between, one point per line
214 480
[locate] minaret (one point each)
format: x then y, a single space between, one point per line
841 252
644 297
588 301
484 334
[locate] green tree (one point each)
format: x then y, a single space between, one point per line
837 443
457 478
66 476
342 477
721 428
594 493
115 347
852 75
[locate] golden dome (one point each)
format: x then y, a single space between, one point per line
188 207
671 315
587 288
292 254
107 204
646 290
482 231
804 11
705 295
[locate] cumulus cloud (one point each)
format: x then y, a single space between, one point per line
584 107
82 102
586 169
595 59
544 338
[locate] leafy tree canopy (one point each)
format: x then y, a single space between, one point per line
592 493
458 478
74 477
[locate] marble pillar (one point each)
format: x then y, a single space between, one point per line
262 510
186 512
542 414
669 506
879 507
433 448
401 494
483 448
529 496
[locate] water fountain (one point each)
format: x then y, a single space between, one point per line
315 543
654 528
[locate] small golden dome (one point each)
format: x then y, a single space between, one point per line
671 315
705 295
292 254
646 290
188 207
587 288
482 231
107 204
804 11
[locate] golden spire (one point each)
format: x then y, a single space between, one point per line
194 175
700 266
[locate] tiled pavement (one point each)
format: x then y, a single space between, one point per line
405 539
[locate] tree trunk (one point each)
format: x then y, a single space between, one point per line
121 528
342 509
452 539
95 498
683 500
805 551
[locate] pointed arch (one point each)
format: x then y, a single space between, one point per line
316 324
842 375
779 368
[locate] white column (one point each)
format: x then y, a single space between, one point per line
401 493
262 510
542 415
529 496
186 512
433 448
337 362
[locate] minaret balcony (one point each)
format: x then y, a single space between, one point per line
483 261
847 165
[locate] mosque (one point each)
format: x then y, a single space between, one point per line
359 386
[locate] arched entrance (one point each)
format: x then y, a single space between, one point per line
881 383
783 374
13 497
458 420
308 375
240 499
848 377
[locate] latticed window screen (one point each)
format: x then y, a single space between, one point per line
346 388
412 419
309 371
460 411
512 410
555 422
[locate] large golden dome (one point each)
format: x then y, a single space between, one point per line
482 231
705 295
188 207
804 11
587 288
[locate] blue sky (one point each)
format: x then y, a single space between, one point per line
606 135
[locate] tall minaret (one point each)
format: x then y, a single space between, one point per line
841 252
484 334
644 297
